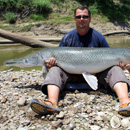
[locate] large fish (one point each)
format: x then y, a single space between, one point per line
76 60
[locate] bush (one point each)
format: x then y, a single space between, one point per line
57 1
125 1
10 17
42 6
25 7
37 17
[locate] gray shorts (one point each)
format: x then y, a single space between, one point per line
57 76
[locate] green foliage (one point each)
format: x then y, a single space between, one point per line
110 9
56 18
22 5
26 28
114 10
94 9
41 5
37 17
10 17
125 1
57 1
25 7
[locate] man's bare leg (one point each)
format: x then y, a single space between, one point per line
121 90
53 94
43 107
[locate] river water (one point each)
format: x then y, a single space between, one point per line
18 51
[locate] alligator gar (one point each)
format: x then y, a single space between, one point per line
76 60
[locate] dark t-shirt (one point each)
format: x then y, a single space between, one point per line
92 39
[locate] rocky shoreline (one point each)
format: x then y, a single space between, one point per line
80 109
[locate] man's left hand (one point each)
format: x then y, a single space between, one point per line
124 66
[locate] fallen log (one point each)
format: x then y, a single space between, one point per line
24 40
7 41
116 32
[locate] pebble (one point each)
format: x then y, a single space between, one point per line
71 126
21 129
21 101
25 122
125 122
81 109
95 127
66 121
57 124
128 128
3 100
60 115
115 122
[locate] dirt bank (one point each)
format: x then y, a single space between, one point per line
53 30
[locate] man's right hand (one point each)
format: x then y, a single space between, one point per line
51 62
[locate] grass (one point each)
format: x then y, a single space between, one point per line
26 28
14 27
56 18
10 17
99 18
8 27
38 17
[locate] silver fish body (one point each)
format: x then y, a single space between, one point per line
76 60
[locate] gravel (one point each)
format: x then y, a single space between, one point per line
80 109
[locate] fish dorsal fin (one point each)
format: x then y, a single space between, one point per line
91 80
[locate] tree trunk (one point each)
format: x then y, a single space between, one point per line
24 40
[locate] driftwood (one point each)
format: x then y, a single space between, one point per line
116 32
24 40
6 41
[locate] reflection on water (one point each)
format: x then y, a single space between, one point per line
117 42
12 52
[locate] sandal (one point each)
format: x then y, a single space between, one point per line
41 107
125 109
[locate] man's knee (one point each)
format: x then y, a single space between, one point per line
116 69
55 69
116 75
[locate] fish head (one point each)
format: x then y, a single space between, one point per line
29 61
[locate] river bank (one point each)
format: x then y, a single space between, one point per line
80 109
60 30
42 30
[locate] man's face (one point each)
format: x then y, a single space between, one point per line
82 19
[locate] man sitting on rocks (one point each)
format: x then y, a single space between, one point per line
56 79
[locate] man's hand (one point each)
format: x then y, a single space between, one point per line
124 66
51 62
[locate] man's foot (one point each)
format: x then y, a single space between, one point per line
125 109
42 107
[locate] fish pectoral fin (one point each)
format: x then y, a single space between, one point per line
91 80
44 71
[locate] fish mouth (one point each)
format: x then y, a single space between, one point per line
9 63
20 64
12 63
